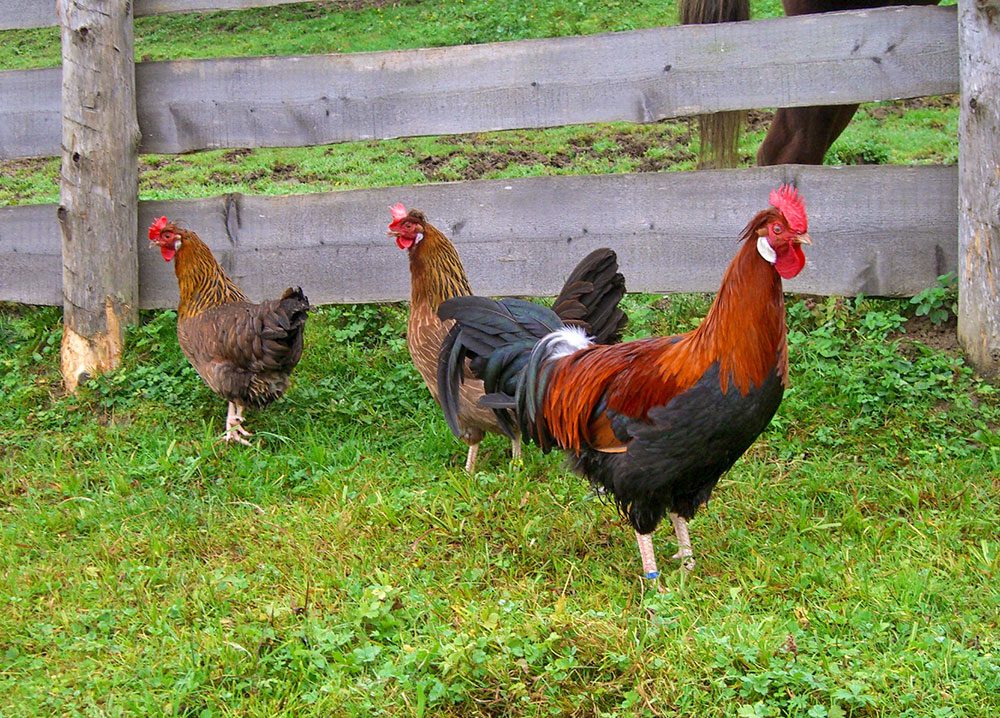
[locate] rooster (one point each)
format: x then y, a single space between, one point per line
245 352
589 298
654 422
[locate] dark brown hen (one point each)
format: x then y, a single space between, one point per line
245 352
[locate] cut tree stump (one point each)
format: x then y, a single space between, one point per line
99 185
979 185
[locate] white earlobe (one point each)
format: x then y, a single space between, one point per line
765 250
420 236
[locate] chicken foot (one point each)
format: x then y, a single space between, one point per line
470 460
684 552
234 425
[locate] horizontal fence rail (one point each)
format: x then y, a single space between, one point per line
22 14
638 76
674 232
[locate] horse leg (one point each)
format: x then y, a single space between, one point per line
802 135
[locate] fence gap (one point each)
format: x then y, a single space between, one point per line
979 185
98 186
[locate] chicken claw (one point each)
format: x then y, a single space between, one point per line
684 552
234 426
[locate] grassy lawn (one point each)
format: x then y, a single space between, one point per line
347 566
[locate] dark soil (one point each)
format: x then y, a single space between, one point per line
614 144
900 107
29 164
943 337
237 154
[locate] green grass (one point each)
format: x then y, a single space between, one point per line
346 564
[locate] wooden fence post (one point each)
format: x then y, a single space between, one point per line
979 185
99 185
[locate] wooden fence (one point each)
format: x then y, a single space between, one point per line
884 230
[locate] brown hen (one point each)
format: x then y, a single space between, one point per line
245 352
589 299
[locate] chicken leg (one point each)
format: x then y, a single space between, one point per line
470 460
684 552
234 425
648 556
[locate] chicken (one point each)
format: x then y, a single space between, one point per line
245 352
589 298
653 422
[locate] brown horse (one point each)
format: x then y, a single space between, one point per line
798 135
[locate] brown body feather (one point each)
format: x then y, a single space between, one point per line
437 274
244 351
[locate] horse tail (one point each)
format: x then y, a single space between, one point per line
719 131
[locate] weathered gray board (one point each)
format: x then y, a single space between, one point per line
639 76
41 13
877 230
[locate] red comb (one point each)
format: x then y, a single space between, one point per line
398 211
156 227
787 200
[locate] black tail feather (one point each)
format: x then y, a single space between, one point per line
498 341
591 295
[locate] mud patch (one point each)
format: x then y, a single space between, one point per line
237 154
898 108
650 149
248 177
480 164
942 337
26 164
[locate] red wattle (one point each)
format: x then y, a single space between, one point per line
790 262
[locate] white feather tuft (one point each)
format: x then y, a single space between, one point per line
565 341
765 250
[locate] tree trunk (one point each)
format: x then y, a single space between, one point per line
979 185
99 185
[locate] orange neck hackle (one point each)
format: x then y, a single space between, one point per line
744 329
436 271
201 281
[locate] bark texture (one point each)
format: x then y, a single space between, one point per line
979 185
99 185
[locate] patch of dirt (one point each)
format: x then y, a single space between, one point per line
320 8
248 177
236 154
943 337
283 171
615 143
28 164
482 163
899 107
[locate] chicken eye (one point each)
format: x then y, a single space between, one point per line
776 229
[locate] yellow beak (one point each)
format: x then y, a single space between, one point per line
803 239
